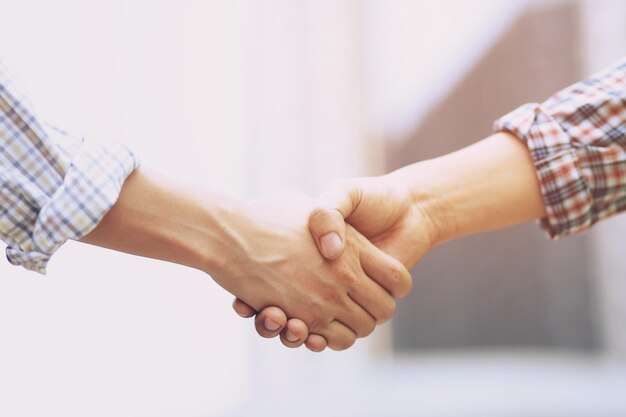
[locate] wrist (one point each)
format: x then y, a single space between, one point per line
486 186
220 240
425 185
161 218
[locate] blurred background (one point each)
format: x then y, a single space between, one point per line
254 96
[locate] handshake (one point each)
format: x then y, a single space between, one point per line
325 272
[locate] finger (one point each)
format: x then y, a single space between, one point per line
326 221
387 271
357 319
374 299
328 229
316 343
243 309
339 336
270 321
295 334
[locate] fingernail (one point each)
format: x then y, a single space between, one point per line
331 244
271 325
290 336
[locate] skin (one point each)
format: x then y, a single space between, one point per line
489 185
261 252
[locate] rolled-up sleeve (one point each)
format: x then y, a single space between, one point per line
54 187
577 139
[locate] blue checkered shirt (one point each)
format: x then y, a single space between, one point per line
53 186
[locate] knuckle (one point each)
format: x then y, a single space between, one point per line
263 332
408 286
388 311
346 274
333 296
344 344
317 216
399 280
394 277
319 318
316 314
315 326
368 329
289 344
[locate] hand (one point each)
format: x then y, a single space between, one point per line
264 255
336 299
382 209
489 185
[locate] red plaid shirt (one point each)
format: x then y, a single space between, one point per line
577 139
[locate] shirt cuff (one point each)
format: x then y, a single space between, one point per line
564 186
91 186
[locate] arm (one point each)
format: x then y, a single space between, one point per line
489 185
261 253
158 218
55 187
562 161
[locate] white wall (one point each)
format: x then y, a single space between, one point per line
106 334
244 96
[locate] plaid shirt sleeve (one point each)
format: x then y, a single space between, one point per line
53 187
577 139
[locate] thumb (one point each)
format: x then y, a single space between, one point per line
327 221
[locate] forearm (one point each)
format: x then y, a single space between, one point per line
489 185
261 253
160 218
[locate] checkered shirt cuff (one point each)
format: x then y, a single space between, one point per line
577 139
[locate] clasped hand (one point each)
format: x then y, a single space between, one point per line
368 232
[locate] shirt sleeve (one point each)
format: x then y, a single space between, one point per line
577 139
53 186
